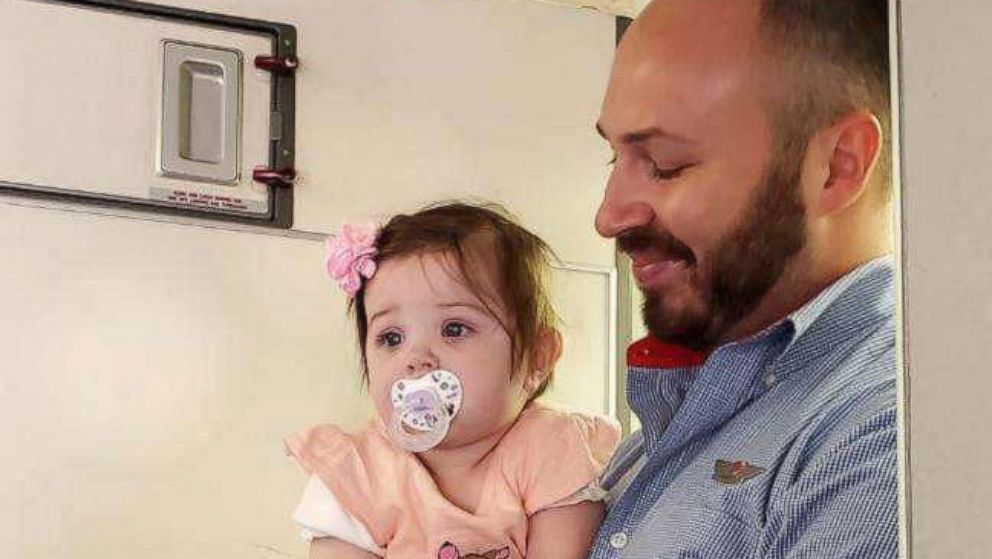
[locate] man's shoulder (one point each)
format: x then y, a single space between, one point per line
846 363
851 395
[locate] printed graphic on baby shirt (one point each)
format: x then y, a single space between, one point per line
450 551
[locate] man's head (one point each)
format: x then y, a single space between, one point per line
746 133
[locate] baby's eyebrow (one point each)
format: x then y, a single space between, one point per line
473 306
380 314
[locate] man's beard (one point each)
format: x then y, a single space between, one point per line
740 270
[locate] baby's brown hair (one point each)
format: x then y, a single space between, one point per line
475 235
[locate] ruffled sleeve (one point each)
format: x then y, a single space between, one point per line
558 454
362 472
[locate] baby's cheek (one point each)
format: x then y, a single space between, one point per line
384 410
380 394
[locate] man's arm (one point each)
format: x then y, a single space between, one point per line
844 503
332 548
564 532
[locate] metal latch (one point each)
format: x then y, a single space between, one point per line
280 178
277 64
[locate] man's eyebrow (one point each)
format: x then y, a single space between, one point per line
639 136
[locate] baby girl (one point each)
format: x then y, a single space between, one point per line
458 340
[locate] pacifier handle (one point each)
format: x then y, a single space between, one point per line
422 442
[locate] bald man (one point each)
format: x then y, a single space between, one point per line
751 188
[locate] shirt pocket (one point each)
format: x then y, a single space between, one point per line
692 532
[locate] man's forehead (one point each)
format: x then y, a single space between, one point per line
696 14
677 65
696 31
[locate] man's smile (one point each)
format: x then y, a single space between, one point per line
653 270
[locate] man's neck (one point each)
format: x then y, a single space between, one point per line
800 283
836 246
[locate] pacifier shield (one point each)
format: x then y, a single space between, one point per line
423 409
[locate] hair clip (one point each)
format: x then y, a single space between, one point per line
350 256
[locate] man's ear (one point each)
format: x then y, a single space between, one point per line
846 152
545 356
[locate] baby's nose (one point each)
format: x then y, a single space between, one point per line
421 362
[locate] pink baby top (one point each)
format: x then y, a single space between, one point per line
550 457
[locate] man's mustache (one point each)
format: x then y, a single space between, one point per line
643 238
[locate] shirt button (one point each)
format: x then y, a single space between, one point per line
618 540
770 380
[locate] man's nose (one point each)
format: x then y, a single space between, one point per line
421 360
623 207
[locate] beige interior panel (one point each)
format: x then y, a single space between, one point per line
628 8
946 149
585 376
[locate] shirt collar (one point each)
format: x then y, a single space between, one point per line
853 303
804 317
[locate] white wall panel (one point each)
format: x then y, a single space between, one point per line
150 371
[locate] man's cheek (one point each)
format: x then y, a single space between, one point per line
700 222
693 229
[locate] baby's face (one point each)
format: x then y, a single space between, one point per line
421 317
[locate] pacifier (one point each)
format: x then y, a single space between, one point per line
423 409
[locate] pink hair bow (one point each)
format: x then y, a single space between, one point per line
351 256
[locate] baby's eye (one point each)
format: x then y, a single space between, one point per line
389 339
454 330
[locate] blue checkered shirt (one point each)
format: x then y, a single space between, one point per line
782 445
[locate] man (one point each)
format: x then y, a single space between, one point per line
750 187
